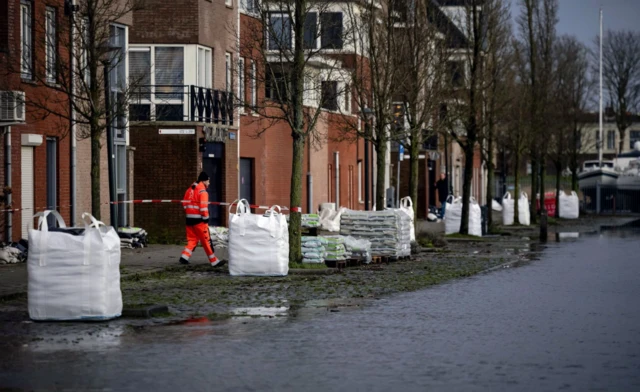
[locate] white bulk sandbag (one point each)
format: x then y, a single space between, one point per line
452 215
475 218
406 206
523 209
73 276
508 207
569 205
496 206
258 244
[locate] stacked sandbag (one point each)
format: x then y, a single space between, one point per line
406 206
13 254
313 249
310 220
330 219
360 249
335 248
220 241
388 231
132 237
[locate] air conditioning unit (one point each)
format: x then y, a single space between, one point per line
12 108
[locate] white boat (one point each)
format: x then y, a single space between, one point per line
594 172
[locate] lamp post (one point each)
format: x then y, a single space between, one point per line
113 209
368 115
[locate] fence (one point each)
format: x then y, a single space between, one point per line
603 199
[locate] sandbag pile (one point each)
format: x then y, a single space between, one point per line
360 249
330 219
388 231
220 241
132 237
453 216
74 273
310 220
313 249
335 248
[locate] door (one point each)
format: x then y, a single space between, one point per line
52 178
26 174
212 165
246 179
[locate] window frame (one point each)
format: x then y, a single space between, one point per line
26 39
634 136
241 85
271 32
51 44
254 86
228 81
322 26
208 58
611 143
336 97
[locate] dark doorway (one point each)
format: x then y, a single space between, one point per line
246 179
52 178
212 159
432 181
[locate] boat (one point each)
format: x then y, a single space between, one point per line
594 172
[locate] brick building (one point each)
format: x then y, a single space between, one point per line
181 112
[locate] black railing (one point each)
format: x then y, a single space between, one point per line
181 103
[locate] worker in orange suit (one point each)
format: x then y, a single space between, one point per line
196 207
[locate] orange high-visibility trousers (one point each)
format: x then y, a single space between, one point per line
198 233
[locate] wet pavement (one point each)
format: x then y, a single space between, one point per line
569 320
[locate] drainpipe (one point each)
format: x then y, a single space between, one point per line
72 119
7 170
238 133
337 161
309 180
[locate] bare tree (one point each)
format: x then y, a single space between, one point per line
421 62
92 48
301 81
621 73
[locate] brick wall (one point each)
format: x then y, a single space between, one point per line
161 21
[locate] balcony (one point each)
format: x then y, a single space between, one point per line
181 103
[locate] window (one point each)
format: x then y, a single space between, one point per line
51 44
360 176
330 95
279 32
227 62
254 87
249 6
204 67
611 140
456 73
276 86
169 83
26 38
84 57
140 83
331 26
117 80
347 99
311 31
241 87
228 3
634 136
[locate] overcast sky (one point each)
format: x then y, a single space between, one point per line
580 17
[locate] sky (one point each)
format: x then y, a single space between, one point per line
580 17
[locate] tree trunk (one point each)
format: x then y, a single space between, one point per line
295 200
574 161
621 143
516 189
466 187
490 175
95 171
381 152
414 173
533 208
543 173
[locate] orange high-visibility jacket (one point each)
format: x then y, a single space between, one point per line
196 204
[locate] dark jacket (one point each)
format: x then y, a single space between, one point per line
443 189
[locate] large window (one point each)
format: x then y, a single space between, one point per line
455 71
254 85
117 79
611 140
51 44
311 31
331 30
26 39
279 31
249 6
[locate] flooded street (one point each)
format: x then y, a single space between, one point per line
568 321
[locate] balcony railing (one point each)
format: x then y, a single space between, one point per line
181 103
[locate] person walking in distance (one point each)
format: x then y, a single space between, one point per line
196 207
443 192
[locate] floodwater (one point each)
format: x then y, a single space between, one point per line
568 321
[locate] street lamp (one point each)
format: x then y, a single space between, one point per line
368 116
106 62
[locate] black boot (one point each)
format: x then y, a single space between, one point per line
184 261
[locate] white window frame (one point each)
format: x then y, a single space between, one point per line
228 3
26 39
51 44
254 86
152 79
227 78
241 85
84 56
281 15
245 9
207 52
360 176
